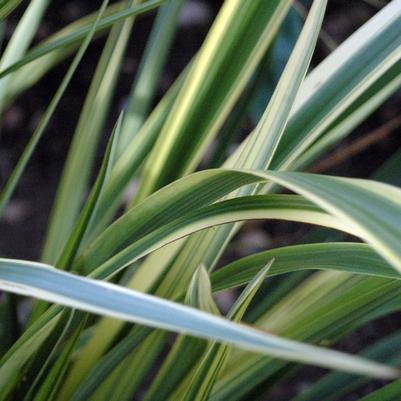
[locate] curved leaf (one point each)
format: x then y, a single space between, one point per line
347 257
284 207
372 208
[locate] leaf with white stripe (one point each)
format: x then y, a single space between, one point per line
47 283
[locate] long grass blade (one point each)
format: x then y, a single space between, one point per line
334 385
80 158
231 53
38 280
80 34
212 363
342 256
12 182
20 40
155 54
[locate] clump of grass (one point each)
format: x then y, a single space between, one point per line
108 290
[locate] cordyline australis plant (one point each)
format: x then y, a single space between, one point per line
110 290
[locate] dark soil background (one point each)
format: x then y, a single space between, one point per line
24 224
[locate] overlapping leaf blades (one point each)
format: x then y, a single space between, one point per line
42 281
295 129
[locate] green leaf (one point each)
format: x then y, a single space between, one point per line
106 331
7 7
54 378
373 209
38 280
347 257
105 366
252 153
15 176
360 109
80 34
20 353
186 350
334 385
391 392
126 378
85 220
152 63
322 309
21 40
80 158
28 74
339 81
285 207
357 43
199 295
262 144
224 65
210 366
130 160
275 61
171 202
12 182
379 228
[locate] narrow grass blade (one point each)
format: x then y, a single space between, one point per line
80 158
335 385
20 40
324 308
27 75
54 377
7 7
360 109
104 367
106 330
28 278
263 143
343 256
390 392
373 208
171 202
343 83
152 63
85 220
366 222
123 381
18 355
199 295
29 149
209 368
348 50
253 154
226 62
80 34
130 160
285 207
186 350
